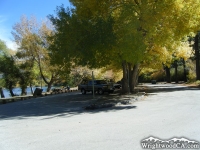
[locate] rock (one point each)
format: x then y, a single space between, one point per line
95 106
125 102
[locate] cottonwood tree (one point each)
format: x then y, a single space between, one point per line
78 41
33 41
125 33
2 53
157 24
3 48
15 72
8 69
180 56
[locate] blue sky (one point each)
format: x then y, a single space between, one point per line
12 10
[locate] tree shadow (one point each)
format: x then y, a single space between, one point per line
70 104
62 105
165 88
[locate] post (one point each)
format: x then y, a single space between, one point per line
41 82
93 84
128 81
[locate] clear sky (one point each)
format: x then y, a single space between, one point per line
12 10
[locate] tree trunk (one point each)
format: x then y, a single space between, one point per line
2 94
31 88
23 88
49 86
125 88
136 82
197 57
168 76
130 78
133 77
185 72
176 71
11 90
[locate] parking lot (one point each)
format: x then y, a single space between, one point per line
61 122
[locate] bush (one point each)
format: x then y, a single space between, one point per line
191 71
146 77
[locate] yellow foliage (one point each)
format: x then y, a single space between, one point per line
184 51
148 32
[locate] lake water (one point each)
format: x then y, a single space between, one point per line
17 91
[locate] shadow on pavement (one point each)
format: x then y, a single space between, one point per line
63 105
165 88
67 105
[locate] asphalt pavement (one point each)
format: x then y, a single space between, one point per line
60 122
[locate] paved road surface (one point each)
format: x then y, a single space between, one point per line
60 122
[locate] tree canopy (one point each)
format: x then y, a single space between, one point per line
124 33
33 39
3 48
161 24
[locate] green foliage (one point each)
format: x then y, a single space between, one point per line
10 71
180 74
147 75
7 67
16 71
144 78
2 82
191 70
82 41
72 81
34 39
197 82
101 33
3 48
148 31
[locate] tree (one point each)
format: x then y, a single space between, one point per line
33 41
141 30
7 68
2 53
3 48
182 54
10 72
79 41
197 55
14 71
